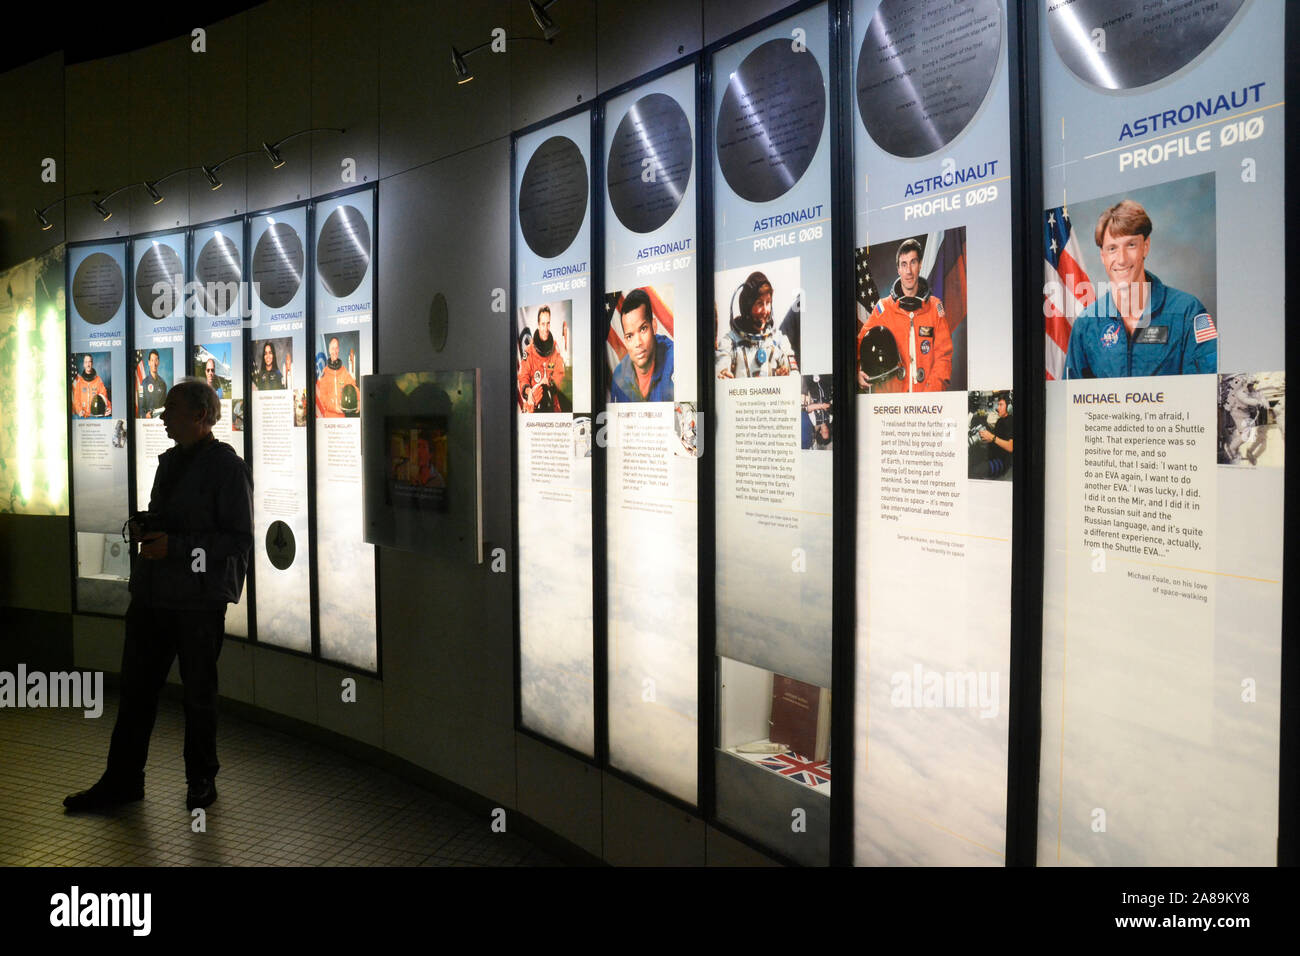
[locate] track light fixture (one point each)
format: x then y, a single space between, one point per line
210 173
544 22
273 153
40 213
154 194
105 214
463 75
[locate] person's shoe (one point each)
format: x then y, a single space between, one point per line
102 796
201 793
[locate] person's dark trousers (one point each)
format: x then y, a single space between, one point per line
154 638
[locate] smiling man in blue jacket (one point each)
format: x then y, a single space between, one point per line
1139 325
645 373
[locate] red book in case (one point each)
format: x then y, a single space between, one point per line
801 717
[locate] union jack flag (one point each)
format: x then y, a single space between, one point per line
798 768
1066 289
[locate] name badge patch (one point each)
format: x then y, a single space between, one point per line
1152 335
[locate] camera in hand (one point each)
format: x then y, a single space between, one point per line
143 523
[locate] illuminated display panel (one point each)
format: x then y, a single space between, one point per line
652 431
217 301
100 398
551 362
935 407
280 368
1164 283
342 351
774 404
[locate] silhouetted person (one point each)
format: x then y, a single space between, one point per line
195 541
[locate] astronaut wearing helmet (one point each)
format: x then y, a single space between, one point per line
880 367
89 396
336 387
917 320
752 346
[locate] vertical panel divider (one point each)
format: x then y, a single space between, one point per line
1288 827
246 378
1028 382
705 554
309 376
600 460
844 487
128 391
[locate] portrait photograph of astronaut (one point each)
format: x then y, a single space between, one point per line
337 395
544 357
989 432
272 364
911 313
153 376
581 436
758 308
817 398
92 384
417 462
1252 419
639 344
1130 283
211 363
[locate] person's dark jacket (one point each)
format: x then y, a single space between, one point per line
202 498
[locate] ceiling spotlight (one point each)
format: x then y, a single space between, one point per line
40 217
99 208
154 194
547 25
274 154
463 75
211 174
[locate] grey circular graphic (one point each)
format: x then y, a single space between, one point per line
159 281
280 544
97 288
343 251
277 265
217 271
1141 45
923 71
553 197
771 120
650 162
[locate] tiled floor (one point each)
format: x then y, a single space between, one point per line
282 802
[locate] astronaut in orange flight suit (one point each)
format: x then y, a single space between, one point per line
329 386
918 323
540 367
85 387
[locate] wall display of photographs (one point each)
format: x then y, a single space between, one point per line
772 289
933 290
280 370
1165 415
218 306
160 268
99 403
343 353
553 397
652 442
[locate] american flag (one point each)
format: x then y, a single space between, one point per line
1203 328
867 294
139 376
614 347
1066 289
812 773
